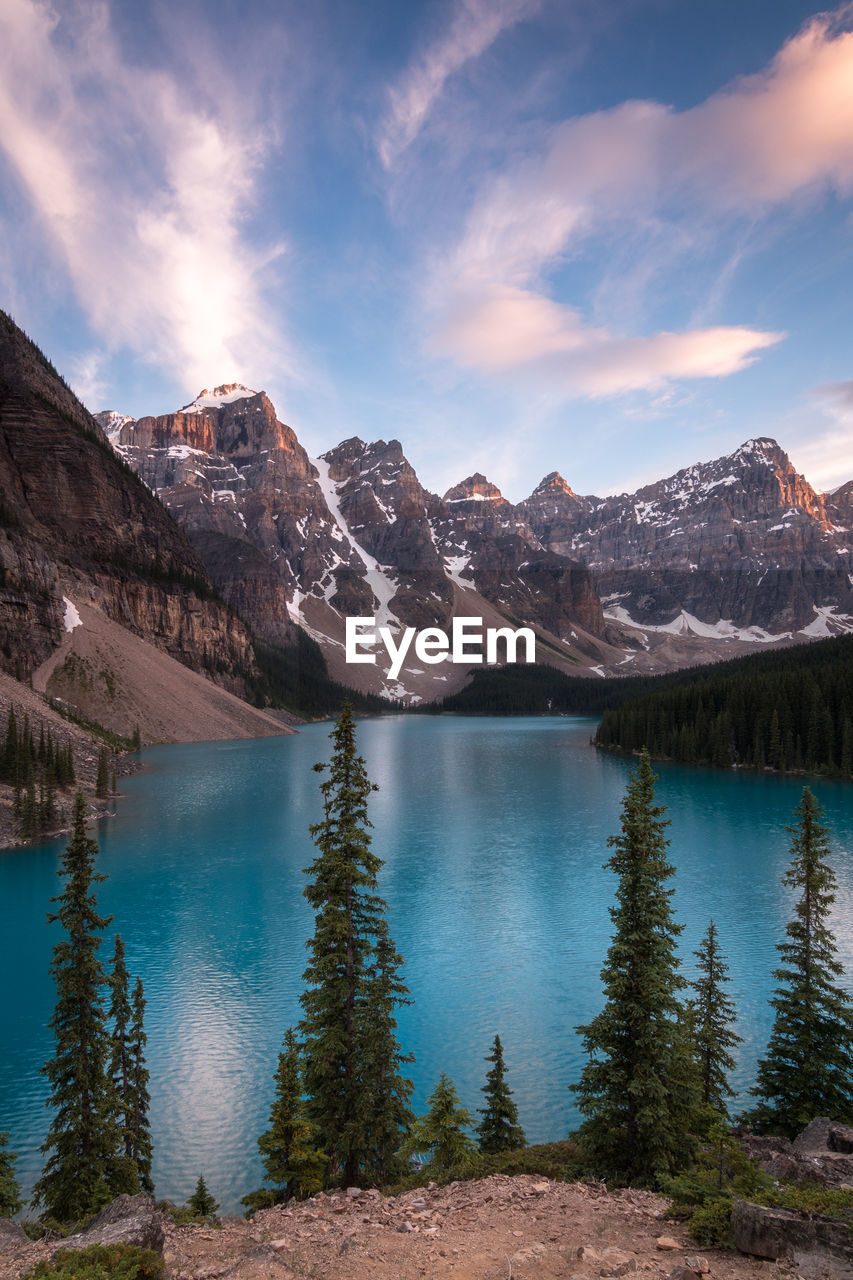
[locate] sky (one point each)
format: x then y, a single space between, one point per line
605 237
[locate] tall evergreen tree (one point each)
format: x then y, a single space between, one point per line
441 1131
385 1092
137 1128
499 1129
713 1014
82 1137
808 1070
102 779
639 1091
351 1055
10 1192
292 1159
123 1175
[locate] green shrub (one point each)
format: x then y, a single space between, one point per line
101 1262
711 1224
810 1197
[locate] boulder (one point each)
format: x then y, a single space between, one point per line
818 1246
11 1234
824 1135
126 1220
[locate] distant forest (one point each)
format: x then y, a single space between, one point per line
790 710
786 709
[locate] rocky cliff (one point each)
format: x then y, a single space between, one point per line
352 533
75 521
743 542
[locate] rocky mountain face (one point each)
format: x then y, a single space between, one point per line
350 534
743 543
75 521
741 549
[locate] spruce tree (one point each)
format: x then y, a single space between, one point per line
713 1014
356 1094
292 1159
640 1090
138 1098
123 1175
102 779
10 1193
201 1202
82 1137
385 1092
441 1131
808 1069
499 1129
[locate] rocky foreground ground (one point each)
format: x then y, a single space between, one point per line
498 1228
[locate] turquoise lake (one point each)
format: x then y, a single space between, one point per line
493 833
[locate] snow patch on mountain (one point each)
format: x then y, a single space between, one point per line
71 617
382 581
226 394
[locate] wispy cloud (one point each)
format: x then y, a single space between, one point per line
784 133
143 182
825 454
475 26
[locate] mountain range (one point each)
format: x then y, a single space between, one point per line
211 538
719 558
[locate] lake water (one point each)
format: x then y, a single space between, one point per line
493 834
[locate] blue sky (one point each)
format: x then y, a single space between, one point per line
607 237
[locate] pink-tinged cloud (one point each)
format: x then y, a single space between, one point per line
825 452
475 26
150 230
507 328
785 133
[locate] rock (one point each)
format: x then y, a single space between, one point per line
824 1135
682 1273
126 1220
667 1243
11 1234
700 1266
756 529
539 1188
405 1226
818 1246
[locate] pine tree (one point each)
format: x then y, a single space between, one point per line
640 1090
201 1202
136 1115
385 1092
440 1131
102 780
10 1193
82 1138
123 1175
351 1057
499 1129
293 1162
713 1014
808 1070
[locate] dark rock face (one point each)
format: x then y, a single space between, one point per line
72 518
354 530
744 539
818 1246
11 1235
492 545
126 1220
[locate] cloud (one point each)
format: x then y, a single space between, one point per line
826 453
143 182
784 133
475 26
507 327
